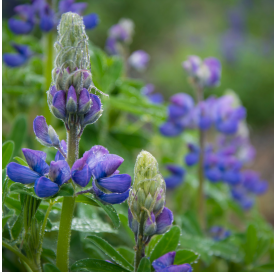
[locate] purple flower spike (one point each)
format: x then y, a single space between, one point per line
71 101
214 67
192 64
59 156
44 187
95 111
91 20
182 100
59 172
80 172
139 60
47 18
176 178
20 27
45 135
59 105
170 129
84 102
164 221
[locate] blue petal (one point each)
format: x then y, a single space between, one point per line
59 156
95 111
91 20
191 159
178 268
213 174
95 155
107 166
112 198
41 130
44 187
46 23
81 177
36 160
59 105
164 221
173 181
59 172
169 129
133 223
116 183
20 173
14 60
175 111
20 27
231 177
164 261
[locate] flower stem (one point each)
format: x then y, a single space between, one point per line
22 257
63 246
140 250
201 195
48 66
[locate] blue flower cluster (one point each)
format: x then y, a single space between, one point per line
40 13
107 184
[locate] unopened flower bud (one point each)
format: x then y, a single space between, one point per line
84 102
71 102
150 226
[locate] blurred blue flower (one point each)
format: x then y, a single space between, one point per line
139 60
219 233
17 59
177 176
47 180
165 264
154 98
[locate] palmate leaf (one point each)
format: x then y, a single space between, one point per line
7 152
110 251
167 243
144 265
94 265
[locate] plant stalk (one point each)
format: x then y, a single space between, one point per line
140 249
63 246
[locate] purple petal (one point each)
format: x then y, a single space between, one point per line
59 172
107 166
25 11
53 90
84 102
139 59
133 223
164 261
59 156
175 112
46 23
112 198
156 98
192 64
95 111
71 101
59 105
14 60
36 160
44 187
20 27
176 169
111 46
213 174
173 181
91 20
150 226
231 177
95 155
20 173
191 159
169 129
214 67
148 89
178 268
164 221
81 177
182 100
116 183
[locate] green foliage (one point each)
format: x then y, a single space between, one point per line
50 268
185 256
144 265
7 152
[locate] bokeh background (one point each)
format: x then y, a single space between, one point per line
238 33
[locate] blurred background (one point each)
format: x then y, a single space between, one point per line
238 33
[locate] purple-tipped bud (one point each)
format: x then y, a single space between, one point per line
164 221
133 223
71 101
84 102
150 226
95 111
59 105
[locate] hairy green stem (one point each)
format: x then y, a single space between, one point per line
63 246
201 196
22 257
48 66
140 249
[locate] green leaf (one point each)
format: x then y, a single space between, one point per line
66 190
94 265
185 256
86 225
21 161
17 227
50 268
109 210
264 267
5 219
154 240
127 253
7 152
110 251
125 224
48 254
13 204
167 243
86 200
22 189
144 265
251 243
190 224
18 132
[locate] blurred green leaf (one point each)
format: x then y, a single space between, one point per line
190 224
251 243
22 189
185 256
86 200
17 227
127 253
110 251
167 243
144 265
264 268
13 204
50 268
7 152
21 161
94 265
48 254
125 224
18 132
5 219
